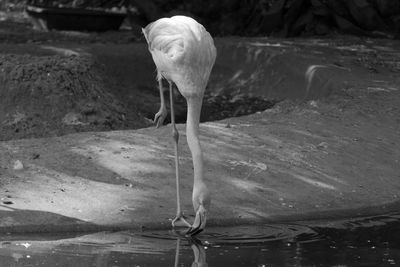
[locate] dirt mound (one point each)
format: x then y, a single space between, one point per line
54 95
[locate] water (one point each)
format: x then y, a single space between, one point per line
373 241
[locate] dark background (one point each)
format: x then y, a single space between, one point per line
283 18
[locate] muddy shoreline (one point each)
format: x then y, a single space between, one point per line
77 116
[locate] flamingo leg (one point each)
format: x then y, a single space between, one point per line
179 219
162 113
177 252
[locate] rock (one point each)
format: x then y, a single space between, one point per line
228 24
148 9
264 20
293 14
301 24
180 12
313 103
72 118
388 8
269 20
320 9
365 15
322 145
294 8
316 3
396 23
321 28
337 7
348 27
18 165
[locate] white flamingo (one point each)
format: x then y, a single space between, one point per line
184 54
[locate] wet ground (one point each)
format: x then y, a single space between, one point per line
369 241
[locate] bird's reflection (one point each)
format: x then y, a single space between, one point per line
197 247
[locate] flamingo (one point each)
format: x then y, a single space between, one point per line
184 54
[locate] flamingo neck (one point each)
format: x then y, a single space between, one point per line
192 133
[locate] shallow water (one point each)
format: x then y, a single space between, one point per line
373 241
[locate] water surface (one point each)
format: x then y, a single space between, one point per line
373 241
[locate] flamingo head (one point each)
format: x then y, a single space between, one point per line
201 204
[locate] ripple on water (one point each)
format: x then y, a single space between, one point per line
356 234
238 234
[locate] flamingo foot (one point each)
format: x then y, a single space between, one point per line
199 222
160 116
180 221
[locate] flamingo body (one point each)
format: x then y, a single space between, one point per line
184 54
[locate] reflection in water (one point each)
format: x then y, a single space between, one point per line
178 248
199 255
366 242
199 252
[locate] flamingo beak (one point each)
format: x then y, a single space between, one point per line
199 222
